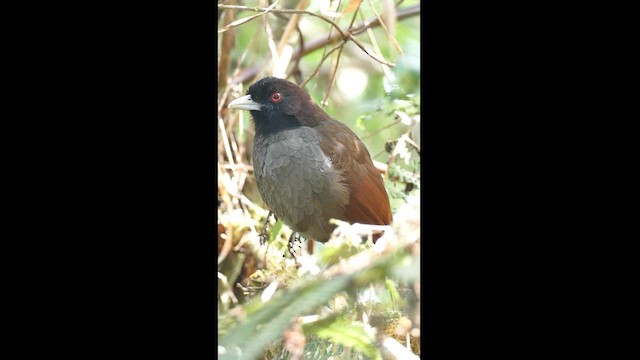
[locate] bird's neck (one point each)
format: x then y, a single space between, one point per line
266 125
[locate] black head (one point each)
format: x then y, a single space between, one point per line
275 104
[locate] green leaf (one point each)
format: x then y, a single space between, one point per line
273 234
393 292
345 332
267 324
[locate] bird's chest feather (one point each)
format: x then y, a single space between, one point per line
295 178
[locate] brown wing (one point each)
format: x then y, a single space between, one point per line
368 200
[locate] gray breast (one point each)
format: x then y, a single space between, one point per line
298 183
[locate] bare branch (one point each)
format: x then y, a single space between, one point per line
344 35
322 41
285 11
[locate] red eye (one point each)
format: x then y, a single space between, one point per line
276 97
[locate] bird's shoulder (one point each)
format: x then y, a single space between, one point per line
341 144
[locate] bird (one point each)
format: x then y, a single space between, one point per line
310 167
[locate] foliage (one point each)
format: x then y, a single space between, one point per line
349 298
263 319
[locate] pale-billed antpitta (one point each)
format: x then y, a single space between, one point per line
309 167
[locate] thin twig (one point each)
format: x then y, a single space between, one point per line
374 43
291 26
378 154
245 19
379 130
333 77
335 69
321 62
228 240
382 24
402 139
223 99
236 149
272 47
228 290
401 14
374 57
225 141
295 68
238 167
413 143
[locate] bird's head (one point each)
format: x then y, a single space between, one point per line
276 104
